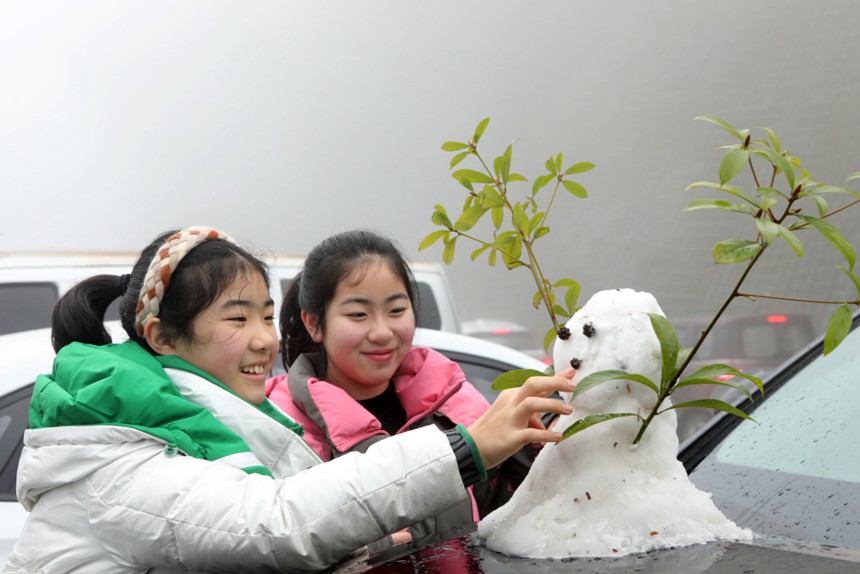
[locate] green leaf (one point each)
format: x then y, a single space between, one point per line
514 379
784 166
580 167
791 239
490 197
720 204
714 404
536 299
454 146
774 141
520 219
440 217
834 236
432 238
600 377
549 338
732 163
541 181
466 183
566 283
590 421
735 251
574 188
498 215
551 166
479 130
722 123
458 158
506 164
492 258
469 218
471 176
836 189
669 346
851 276
448 251
477 252
714 370
535 221
768 229
693 382
736 191
571 296
854 175
541 231
838 328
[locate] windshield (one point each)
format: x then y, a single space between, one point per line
796 473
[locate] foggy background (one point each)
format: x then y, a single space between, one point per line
284 122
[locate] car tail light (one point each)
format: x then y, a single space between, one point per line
724 377
501 331
777 319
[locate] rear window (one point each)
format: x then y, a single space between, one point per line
25 306
14 418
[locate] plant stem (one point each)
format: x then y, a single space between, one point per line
798 300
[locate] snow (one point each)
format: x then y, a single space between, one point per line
595 493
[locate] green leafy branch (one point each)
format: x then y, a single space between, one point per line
513 239
778 215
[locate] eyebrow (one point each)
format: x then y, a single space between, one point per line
245 303
365 301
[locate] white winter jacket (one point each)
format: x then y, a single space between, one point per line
115 499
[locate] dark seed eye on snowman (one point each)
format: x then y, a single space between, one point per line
575 363
588 330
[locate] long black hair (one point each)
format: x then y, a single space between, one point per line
327 264
199 279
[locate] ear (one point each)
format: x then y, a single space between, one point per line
154 335
312 324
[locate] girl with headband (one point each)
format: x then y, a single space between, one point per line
162 453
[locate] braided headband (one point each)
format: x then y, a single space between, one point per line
163 265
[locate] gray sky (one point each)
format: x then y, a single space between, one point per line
283 122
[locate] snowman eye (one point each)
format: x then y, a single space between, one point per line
588 330
575 363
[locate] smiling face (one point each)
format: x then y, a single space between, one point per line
234 339
369 326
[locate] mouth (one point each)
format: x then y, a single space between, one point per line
253 370
380 356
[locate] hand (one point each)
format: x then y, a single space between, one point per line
513 420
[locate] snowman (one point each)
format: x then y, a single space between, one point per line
595 493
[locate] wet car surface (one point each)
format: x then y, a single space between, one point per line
792 476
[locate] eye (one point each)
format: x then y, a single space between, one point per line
357 315
238 318
397 311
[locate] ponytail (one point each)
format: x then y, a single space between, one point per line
295 338
79 314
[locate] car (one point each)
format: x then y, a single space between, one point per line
31 282
791 475
755 343
25 355
507 333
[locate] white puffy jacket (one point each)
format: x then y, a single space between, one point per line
114 499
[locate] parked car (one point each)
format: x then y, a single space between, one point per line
507 333
25 355
792 476
754 343
31 282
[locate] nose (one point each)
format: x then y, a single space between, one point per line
380 331
264 337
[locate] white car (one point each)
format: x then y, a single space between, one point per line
31 282
25 355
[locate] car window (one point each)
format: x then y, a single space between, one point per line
797 467
25 306
14 417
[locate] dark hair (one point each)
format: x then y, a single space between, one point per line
199 279
325 267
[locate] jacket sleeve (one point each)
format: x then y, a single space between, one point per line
181 512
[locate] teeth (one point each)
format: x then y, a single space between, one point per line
255 370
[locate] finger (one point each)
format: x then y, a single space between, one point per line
532 405
540 436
